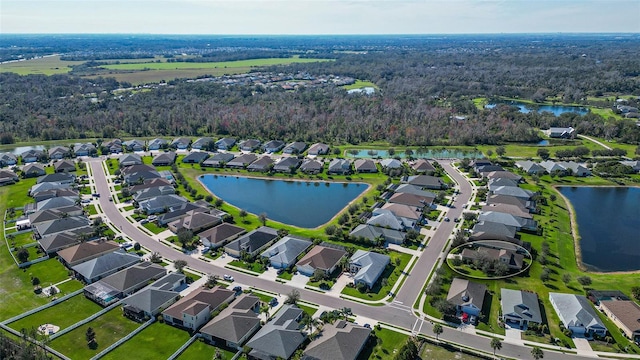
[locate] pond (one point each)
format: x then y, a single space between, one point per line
429 154
557 110
20 149
305 204
608 222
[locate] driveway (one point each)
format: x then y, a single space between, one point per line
513 334
583 346
298 280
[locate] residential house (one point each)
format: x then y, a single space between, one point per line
138 174
218 160
249 145
626 316
32 155
124 282
425 182
204 143
56 242
195 221
86 149
287 165
61 178
320 257
504 175
33 170
514 210
53 214
180 143
76 223
467 296
575 169
411 200
483 170
388 219
493 231
219 235
391 164
133 145
59 152
105 265
263 164
56 202
164 159
513 191
64 166
413 214
374 233
194 310
552 167
181 210
577 314
252 243
526 224
365 166
52 193
235 324
157 144
423 166
273 146
520 308
285 252
86 251
497 182
114 146
7 159
296 147
225 143
634 164
311 167
601 295
8 177
415 190
161 203
280 337
339 166
318 149
341 340
560 132
129 159
511 258
46 186
241 161
152 192
151 300
196 157
367 266
151 183
528 204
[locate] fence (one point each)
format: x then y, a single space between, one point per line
45 306
121 341
84 321
183 347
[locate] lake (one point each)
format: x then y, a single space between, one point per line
304 204
608 223
429 154
555 109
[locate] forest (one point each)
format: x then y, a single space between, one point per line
423 84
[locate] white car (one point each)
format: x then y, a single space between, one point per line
228 277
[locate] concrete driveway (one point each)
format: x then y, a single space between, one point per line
298 280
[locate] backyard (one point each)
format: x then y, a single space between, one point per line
158 341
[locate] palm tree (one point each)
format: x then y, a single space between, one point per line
265 310
263 218
496 344
437 329
537 353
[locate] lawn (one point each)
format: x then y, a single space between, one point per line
201 350
251 266
154 228
109 328
158 341
432 351
308 309
391 273
389 343
64 314
360 84
286 275
91 210
20 239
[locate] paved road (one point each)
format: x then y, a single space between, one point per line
393 314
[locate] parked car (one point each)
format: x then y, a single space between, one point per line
446 219
237 289
95 195
280 271
228 277
273 302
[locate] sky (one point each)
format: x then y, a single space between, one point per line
318 16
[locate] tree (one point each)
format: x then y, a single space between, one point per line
293 297
137 246
185 236
90 335
156 257
437 329
500 150
23 255
35 281
180 265
243 214
392 152
212 280
543 154
553 197
584 280
265 310
545 275
635 291
489 153
263 218
496 344
566 278
537 353
218 203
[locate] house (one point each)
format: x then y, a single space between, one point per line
626 316
252 243
32 155
365 166
425 182
387 219
129 159
493 231
151 183
152 192
195 221
391 164
46 186
513 191
105 265
411 200
164 159
423 166
205 143
514 210
134 145
415 190
242 161
86 251
374 233
64 166
280 337
52 193
273 146
560 132
575 169
634 164
59 152
220 235
285 252
530 205
33 170
287 165
493 184
79 224
483 170
601 295
504 175
318 149
86 149
413 214
7 159
296 147
8 177
56 202
181 210
61 178
225 143
56 242
577 314
124 282
156 297
114 146
367 266
180 143
311 167
263 164
157 144
249 145
218 160
235 324
513 259
341 340
339 166
53 214
138 174
161 203
195 157
467 296
520 308
320 257
552 167
519 223
194 310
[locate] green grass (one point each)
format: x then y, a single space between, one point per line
127 208
21 239
109 328
158 341
432 351
360 84
308 309
287 275
154 228
392 273
64 314
390 342
251 266
211 65
201 350
46 66
91 210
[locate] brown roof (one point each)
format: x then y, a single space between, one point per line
157 182
87 251
423 165
627 312
410 199
197 300
409 212
321 257
221 233
196 220
514 210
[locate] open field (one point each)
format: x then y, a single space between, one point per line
210 65
49 65
158 341
64 314
360 84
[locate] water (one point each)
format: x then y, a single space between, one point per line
557 110
608 223
300 203
429 154
20 149
543 143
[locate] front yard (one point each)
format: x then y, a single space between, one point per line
392 274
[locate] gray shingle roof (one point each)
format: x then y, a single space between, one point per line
105 264
520 304
254 240
338 341
464 292
280 337
286 250
221 233
134 275
575 310
150 299
235 322
373 233
196 157
371 265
